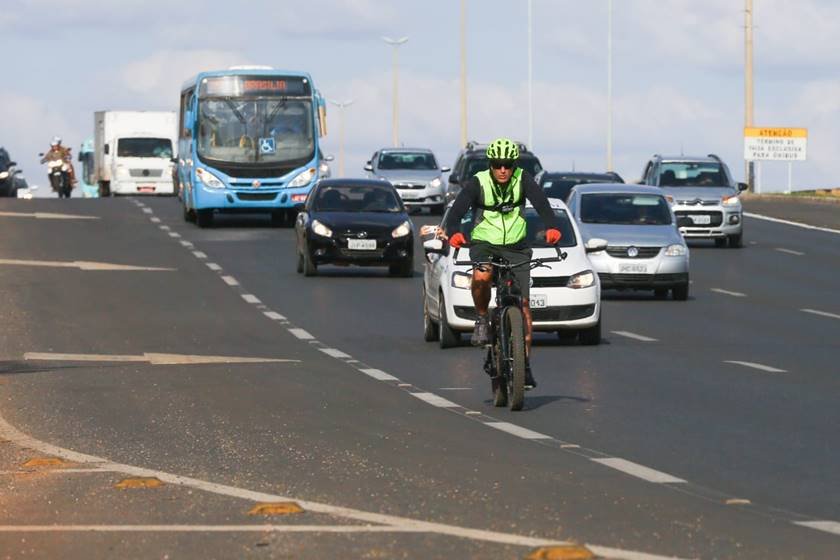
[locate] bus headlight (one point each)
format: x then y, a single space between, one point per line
675 250
461 280
209 180
320 229
580 280
402 230
303 178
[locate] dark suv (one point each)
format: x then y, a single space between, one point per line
473 158
8 179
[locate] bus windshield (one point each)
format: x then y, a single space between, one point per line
262 130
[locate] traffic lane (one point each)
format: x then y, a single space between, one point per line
815 213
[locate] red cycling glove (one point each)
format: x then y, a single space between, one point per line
552 236
457 240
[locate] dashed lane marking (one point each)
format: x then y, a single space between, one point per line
728 293
164 228
518 431
435 400
153 358
230 280
639 471
378 374
274 316
251 298
455 389
84 265
47 216
147 210
790 251
335 353
634 336
213 266
754 365
200 254
790 223
174 234
826 526
301 334
821 313
154 220
187 244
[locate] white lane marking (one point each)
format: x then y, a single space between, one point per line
434 400
154 220
789 223
639 471
209 529
515 430
164 228
821 313
754 365
274 315
789 251
378 374
57 471
47 216
174 234
621 554
230 280
251 298
154 358
727 292
301 334
147 210
213 266
634 336
199 254
82 265
827 526
334 352
455 389
186 243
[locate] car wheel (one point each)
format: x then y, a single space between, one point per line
204 218
720 242
736 241
447 337
404 269
592 335
680 292
309 266
430 329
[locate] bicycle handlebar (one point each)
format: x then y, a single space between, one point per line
535 263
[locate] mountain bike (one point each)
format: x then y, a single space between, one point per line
505 360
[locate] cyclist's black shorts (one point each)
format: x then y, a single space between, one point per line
483 252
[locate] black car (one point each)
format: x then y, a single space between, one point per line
473 158
9 183
557 184
354 221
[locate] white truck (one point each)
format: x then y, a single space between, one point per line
134 151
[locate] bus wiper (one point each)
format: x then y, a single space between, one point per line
235 110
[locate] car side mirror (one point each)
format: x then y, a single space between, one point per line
684 221
743 187
453 179
368 167
596 245
445 169
11 163
435 247
329 158
40 154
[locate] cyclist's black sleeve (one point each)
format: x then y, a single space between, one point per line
470 196
535 194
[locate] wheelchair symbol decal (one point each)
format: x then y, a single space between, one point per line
267 146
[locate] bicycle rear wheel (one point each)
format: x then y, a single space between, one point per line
513 353
498 375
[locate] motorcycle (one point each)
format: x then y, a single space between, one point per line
58 172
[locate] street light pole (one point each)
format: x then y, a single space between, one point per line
396 116
748 83
341 106
531 75
609 85
463 73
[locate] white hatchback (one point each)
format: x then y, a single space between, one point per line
565 296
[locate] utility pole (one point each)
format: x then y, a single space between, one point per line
609 85
396 114
463 73
748 83
531 75
341 106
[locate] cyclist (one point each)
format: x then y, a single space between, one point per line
497 197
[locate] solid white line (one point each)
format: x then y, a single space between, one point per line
230 280
213 266
754 365
821 313
728 293
174 234
827 526
82 265
515 430
251 298
301 334
153 358
210 528
154 220
59 471
378 374
46 216
789 251
274 315
199 254
639 471
455 389
634 336
435 400
619 554
789 223
334 352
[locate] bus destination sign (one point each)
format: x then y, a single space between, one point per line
236 86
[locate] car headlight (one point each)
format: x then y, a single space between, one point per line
461 280
4 174
320 229
435 183
303 178
402 230
675 250
209 180
730 201
583 279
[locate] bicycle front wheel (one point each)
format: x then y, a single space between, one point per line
513 347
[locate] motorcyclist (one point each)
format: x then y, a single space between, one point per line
57 152
498 196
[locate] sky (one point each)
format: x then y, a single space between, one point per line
678 73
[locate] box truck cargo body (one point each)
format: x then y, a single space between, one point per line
134 151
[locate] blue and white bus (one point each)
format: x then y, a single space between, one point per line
248 142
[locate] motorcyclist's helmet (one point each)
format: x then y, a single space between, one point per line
503 149
55 141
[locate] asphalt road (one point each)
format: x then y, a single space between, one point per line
699 429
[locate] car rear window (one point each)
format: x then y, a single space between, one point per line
630 209
535 234
368 198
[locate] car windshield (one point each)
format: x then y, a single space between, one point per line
529 164
535 233
422 161
558 186
692 174
367 198
144 147
631 209
256 130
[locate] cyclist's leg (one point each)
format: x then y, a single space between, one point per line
482 281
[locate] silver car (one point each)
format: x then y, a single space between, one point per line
415 174
645 250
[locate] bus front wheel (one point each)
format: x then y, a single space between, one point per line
204 218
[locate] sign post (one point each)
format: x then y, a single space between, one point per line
776 144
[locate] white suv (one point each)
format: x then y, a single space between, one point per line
565 296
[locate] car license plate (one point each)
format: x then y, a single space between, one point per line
701 220
538 301
632 268
408 195
145 188
361 244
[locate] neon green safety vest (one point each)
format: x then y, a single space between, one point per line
500 218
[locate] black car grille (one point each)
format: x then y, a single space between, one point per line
414 186
547 314
357 254
644 252
549 281
717 217
641 279
256 196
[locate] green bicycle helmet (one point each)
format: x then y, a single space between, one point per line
502 148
